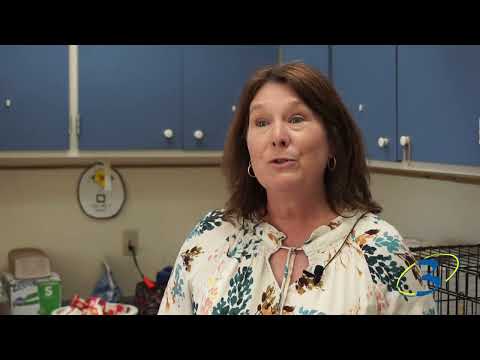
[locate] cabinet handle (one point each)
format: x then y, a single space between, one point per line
8 103
234 108
198 134
361 107
383 142
168 133
406 142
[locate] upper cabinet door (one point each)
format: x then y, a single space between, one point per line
438 102
130 97
365 78
34 97
313 55
213 79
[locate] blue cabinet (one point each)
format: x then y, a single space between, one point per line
438 105
33 97
365 78
129 96
213 79
313 55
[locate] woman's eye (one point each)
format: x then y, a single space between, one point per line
296 119
261 123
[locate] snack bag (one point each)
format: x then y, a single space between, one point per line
106 287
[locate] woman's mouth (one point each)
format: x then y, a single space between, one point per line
283 162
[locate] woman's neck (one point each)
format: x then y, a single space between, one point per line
296 211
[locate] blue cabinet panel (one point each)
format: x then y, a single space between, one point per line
365 78
313 55
438 103
213 79
129 95
33 97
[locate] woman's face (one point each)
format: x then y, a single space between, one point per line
287 142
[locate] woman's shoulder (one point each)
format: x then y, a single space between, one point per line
377 237
384 249
211 229
374 226
389 260
374 231
211 238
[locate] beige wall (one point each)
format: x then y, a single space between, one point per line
434 212
39 208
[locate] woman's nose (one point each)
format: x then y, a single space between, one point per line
280 136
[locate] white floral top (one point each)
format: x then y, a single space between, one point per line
224 269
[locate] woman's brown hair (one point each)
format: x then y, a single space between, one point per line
346 187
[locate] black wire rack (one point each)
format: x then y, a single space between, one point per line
461 294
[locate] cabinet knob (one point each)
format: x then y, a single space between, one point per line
234 108
198 134
404 140
168 133
8 103
383 142
361 107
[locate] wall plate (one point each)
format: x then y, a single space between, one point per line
94 196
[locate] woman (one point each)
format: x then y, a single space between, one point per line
300 233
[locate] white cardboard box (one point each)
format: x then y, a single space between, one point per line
33 296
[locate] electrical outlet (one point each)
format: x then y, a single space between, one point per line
130 237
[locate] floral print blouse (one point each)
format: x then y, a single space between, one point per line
224 269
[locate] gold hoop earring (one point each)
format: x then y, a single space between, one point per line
248 170
332 167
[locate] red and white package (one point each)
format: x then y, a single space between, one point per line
93 306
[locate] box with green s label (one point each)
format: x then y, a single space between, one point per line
34 296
